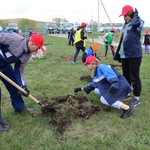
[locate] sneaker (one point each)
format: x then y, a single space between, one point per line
74 62
126 113
24 110
135 102
3 127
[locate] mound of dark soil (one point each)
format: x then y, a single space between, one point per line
68 108
117 67
86 78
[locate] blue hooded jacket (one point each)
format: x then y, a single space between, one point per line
131 44
104 79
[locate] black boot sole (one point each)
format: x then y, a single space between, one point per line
127 114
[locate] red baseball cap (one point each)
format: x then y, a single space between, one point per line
83 24
89 59
38 40
147 31
126 9
113 30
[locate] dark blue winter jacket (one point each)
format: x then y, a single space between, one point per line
106 78
131 43
86 53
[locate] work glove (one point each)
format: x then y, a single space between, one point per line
76 90
113 90
26 95
136 11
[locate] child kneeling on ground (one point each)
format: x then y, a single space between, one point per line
90 51
110 84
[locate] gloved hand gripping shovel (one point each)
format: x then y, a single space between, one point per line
46 107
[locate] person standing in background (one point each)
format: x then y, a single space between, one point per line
79 42
108 40
129 51
30 32
146 41
71 37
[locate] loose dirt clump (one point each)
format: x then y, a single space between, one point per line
86 78
117 67
68 108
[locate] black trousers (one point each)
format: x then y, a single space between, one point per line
131 71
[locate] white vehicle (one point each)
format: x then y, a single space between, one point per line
63 26
67 26
107 27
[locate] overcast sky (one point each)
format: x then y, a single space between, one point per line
76 10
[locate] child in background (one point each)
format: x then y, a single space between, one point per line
71 37
30 32
110 84
90 51
80 42
108 40
146 41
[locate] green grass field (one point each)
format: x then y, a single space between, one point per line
55 75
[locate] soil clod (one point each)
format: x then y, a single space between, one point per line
68 108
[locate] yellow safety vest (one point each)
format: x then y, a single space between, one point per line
78 37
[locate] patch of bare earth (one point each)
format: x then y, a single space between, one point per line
68 108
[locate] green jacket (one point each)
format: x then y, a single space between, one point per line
109 39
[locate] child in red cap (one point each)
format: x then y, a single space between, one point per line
146 41
71 37
79 42
90 51
110 84
108 40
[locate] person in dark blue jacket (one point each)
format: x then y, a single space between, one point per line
90 51
110 84
15 51
30 32
129 51
71 37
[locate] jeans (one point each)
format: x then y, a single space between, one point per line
146 49
106 50
117 104
77 52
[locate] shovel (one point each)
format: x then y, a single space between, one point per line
46 107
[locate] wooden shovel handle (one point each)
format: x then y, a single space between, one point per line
18 87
